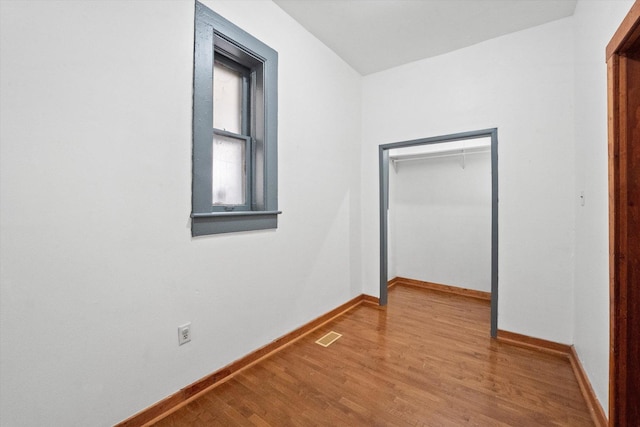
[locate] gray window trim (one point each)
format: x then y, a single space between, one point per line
214 32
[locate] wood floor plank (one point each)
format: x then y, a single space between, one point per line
427 359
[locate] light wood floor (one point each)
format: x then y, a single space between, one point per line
426 360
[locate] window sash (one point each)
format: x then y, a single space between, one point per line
246 98
248 197
245 133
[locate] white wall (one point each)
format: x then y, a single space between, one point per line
98 265
440 214
522 84
595 24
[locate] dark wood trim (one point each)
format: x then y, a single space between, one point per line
617 237
471 293
623 67
192 391
597 413
538 344
627 34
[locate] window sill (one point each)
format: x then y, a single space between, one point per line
229 222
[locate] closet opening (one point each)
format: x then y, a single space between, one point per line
463 150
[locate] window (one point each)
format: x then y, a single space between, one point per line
234 129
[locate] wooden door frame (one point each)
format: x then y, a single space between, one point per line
623 69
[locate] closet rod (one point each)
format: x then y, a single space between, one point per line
422 156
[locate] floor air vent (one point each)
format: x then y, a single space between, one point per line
328 339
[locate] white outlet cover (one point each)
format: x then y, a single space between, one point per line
184 333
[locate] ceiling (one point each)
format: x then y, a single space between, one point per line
374 35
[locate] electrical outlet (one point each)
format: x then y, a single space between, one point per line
184 333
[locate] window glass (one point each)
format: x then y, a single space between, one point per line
228 177
227 98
